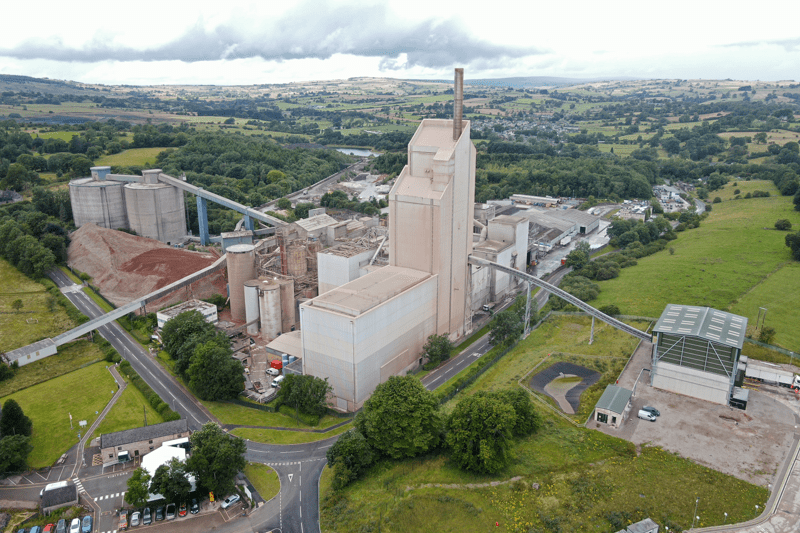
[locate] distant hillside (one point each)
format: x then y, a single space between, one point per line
532 81
9 82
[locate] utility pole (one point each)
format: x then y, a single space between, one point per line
144 410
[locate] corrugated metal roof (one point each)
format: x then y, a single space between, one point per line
614 399
704 322
317 222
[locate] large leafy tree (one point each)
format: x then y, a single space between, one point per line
216 458
138 488
527 420
306 393
183 334
401 419
14 451
438 348
349 457
479 433
171 482
13 421
213 374
793 242
505 327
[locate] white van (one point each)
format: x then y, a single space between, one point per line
51 486
277 381
647 415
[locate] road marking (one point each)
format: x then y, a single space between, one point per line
434 380
290 477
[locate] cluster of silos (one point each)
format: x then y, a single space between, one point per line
241 259
271 302
98 200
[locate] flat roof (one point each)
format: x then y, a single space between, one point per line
508 220
574 215
191 305
19 353
546 219
614 399
492 246
290 343
369 291
436 133
704 322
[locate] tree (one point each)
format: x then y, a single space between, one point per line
793 242
171 482
216 458
767 334
527 420
183 334
438 348
783 225
301 209
213 374
576 259
138 488
505 327
796 200
308 394
284 203
350 456
16 305
479 433
401 419
14 451
13 421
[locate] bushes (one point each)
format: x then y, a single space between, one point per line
72 311
153 398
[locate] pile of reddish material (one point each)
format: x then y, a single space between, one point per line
126 267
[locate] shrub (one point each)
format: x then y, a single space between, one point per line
783 225
610 310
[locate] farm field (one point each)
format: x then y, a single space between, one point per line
81 393
143 157
586 480
735 261
34 321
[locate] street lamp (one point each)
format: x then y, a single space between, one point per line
726 519
696 501
756 509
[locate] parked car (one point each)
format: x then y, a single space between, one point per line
36 529
123 520
74 526
61 526
647 415
147 518
652 410
273 371
230 500
182 509
136 518
171 511
86 524
159 513
49 528
195 507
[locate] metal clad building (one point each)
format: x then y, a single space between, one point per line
696 351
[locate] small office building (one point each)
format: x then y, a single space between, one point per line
613 406
122 446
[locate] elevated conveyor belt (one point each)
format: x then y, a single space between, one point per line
580 304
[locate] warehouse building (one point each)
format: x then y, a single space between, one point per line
696 352
209 312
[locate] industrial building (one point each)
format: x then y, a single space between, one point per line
505 241
613 406
209 312
696 352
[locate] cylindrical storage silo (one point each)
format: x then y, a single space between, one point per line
270 307
314 247
251 305
285 358
297 265
241 267
288 316
156 210
98 201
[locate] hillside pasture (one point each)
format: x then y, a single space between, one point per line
141 157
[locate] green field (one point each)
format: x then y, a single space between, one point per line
735 261
277 436
82 393
264 479
128 412
587 481
34 321
142 157
70 357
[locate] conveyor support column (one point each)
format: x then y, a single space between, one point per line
202 220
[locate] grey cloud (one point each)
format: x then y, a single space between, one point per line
312 30
790 45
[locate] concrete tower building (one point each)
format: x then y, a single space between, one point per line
431 210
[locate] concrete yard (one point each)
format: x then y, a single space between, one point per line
751 445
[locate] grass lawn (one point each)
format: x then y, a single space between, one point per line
231 413
735 261
143 157
264 479
127 413
277 436
70 357
82 393
34 321
587 481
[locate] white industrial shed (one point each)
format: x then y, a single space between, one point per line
586 223
696 351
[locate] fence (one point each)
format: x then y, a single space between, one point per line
778 349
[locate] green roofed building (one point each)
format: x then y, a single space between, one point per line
612 406
696 351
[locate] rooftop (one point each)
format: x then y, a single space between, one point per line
704 322
191 305
508 220
614 399
492 246
121 438
435 133
367 292
346 249
59 496
316 222
574 215
19 353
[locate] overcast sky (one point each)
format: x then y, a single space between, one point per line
240 43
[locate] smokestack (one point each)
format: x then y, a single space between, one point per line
458 103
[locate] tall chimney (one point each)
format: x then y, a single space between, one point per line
458 103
